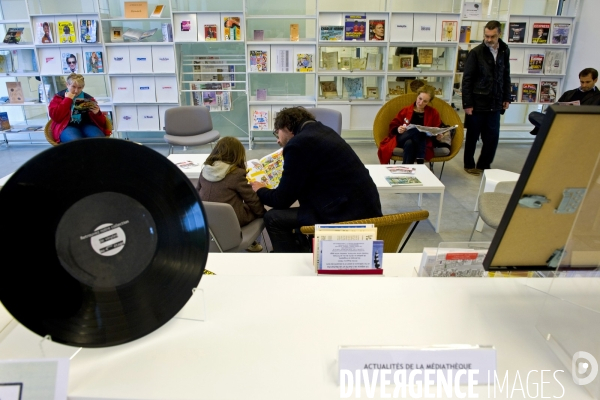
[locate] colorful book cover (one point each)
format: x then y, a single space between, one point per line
376 29
516 32
5 61
260 120
13 35
465 34
514 91
355 27
231 28
258 61
560 33
528 95
449 30
332 32
210 33
209 98
548 91
70 63
45 32
304 63
66 32
540 33
354 87
536 62
403 180
4 122
93 62
88 30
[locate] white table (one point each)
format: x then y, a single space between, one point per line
490 178
431 184
277 337
5 179
192 172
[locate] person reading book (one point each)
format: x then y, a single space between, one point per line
322 173
223 180
587 94
75 114
416 145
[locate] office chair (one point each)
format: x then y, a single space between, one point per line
189 126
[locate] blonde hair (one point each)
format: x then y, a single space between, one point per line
428 89
229 150
77 78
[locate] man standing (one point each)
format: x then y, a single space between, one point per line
323 173
587 94
485 94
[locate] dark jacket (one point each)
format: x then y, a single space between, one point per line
590 98
325 175
486 84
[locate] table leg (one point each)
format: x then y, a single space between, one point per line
439 219
420 199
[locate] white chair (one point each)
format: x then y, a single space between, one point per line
328 117
189 126
491 205
226 234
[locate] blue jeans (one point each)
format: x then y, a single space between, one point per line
71 133
487 125
413 142
280 226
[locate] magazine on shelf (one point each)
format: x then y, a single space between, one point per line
136 35
536 62
345 63
401 170
372 92
332 33
330 61
259 34
66 32
157 13
449 30
355 28
294 32
374 61
5 61
464 36
282 59
261 94
374 29
4 122
548 91
259 61
116 34
232 28
267 170
304 62
45 32
560 33
514 92
210 32
88 31
516 32
540 33
555 60
329 89
425 56
403 181
430 130
13 35
93 62
529 92
70 63
167 32
354 87
358 64
260 120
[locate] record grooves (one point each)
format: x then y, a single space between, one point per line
108 238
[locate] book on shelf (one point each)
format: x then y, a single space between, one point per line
13 35
332 33
304 62
260 120
548 91
358 64
354 87
536 62
449 29
294 32
70 63
376 29
374 61
116 34
405 61
66 32
167 31
185 25
88 30
346 63
540 33
157 13
425 56
93 62
259 61
514 91
267 170
529 92
401 170
259 34
282 59
330 61
261 94
555 62
396 88
4 122
232 28
403 181
461 60
355 27
45 32
210 32
516 32
372 92
15 92
5 61
329 89
465 34
560 33
136 35
209 98
136 9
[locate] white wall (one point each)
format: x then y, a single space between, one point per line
584 50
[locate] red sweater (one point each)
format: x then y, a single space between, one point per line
60 113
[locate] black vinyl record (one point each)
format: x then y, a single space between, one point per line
107 239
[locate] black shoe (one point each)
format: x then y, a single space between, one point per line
535 131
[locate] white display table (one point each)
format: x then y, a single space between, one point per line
277 337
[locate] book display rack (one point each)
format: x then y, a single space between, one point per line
352 58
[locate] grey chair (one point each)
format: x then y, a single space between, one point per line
225 232
491 205
189 126
328 117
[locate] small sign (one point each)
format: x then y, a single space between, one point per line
136 9
47 378
351 257
472 10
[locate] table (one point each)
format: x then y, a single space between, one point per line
277 337
490 178
431 184
192 172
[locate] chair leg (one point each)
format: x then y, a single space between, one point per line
170 149
474 226
442 171
212 236
408 237
431 166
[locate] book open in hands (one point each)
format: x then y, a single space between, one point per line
430 130
267 170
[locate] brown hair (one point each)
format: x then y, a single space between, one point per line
491 25
291 117
588 71
229 150
75 78
428 89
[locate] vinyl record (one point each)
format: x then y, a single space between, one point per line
106 238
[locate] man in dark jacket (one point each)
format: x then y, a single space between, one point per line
587 94
485 94
323 173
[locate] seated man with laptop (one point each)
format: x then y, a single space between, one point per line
587 95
